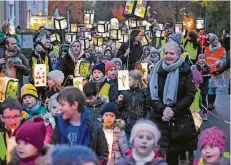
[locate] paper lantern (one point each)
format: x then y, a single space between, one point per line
40 75
123 80
145 40
55 37
148 34
101 27
200 23
8 88
108 26
115 34
88 17
142 29
70 37
60 23
97 41
87 34
133 23
114 23
178 27
85 43
78 82
124 38
82 69
73 28
135 9
159 33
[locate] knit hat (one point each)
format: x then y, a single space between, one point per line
213 136
197 77
145 125
117 61
40 43
57 76
110 107
109 65
107 49
100 67
200 56
176 38
29 89
33 132
64 154
212 37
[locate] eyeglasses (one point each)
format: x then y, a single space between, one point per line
10 118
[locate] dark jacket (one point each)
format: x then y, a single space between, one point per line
185 96
97 108
204 69
97 138
135 54
23 70
67 67
135 105
128 160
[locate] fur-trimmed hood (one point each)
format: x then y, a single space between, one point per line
43 159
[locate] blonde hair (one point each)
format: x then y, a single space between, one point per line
136 75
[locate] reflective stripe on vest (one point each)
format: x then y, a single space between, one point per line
104 91
211 58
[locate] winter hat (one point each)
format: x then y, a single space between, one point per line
40 43
176 38
100 67
29 89
64 154
110 107
107 49
200 56
117 61
57 76
213 136
145 125
212 37
33 132
197 77
109 65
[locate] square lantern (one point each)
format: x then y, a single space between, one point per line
73 28
144 40
85 43
87 34
118 44
101 27
70 37
200 23
148 34
159 33
115 34
178 27
133 23
88 17
124 38
108 26
60 23
142 29
97 41
135 9
114 23
55 37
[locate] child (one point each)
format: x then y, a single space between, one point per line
30 140
133 104
144 139
55 79
94 102
212 146
115 135
153 57
118 63
11 119
107 53
75 125
111 71
203 67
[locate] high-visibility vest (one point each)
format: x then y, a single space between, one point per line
191 51
104 91
211 58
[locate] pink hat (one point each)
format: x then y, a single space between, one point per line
213 136
200 56
197 77
109 65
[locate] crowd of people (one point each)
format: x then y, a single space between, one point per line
150 123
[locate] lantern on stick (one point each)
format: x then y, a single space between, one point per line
70 37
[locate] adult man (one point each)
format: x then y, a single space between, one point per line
12 62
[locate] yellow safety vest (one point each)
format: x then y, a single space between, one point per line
191 51
104 91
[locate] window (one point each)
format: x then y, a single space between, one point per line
11 9
34 3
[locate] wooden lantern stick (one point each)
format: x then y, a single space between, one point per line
129 40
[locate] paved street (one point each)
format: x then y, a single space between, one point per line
223 111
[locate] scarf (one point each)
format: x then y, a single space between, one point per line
213 49
171 83
35 110
142 161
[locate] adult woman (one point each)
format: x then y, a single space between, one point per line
69 61
133 53
172 92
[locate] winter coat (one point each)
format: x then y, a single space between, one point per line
135 105
135 54
21 71
42 159
204 69
128 160
185 96
97 108
97 138
119 144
